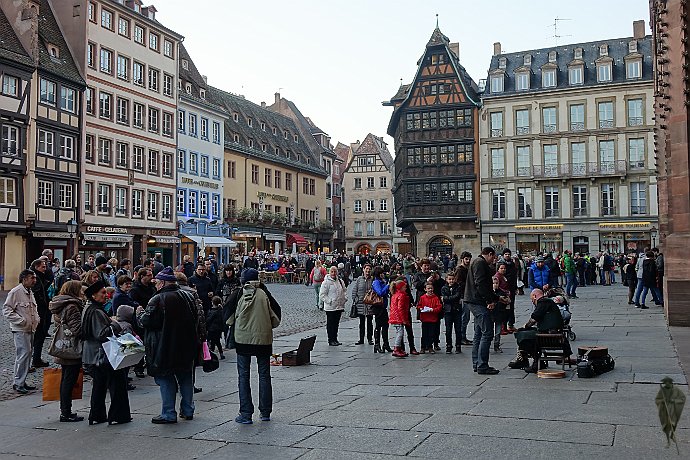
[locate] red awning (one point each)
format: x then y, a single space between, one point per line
297 239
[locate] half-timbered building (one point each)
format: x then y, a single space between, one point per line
434 126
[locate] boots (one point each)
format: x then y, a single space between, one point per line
398 353
377 342
520 361
386 345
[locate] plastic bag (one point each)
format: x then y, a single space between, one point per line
123 351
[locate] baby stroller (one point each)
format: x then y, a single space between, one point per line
558 296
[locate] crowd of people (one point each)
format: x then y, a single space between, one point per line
177 311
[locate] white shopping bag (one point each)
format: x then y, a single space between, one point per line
123 351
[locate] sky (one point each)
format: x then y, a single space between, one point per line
337 60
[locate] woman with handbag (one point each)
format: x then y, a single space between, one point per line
65 347
96 327
333 297
360 288
381 288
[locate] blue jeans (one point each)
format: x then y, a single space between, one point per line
638 291
570 284
265 390
483 334
656 294
168 385
465 320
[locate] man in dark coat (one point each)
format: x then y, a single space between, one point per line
512 278
170 322
203 285
40 290
143 288
187 266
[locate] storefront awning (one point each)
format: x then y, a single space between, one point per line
166 239
212 241
296 238
274 237
108 237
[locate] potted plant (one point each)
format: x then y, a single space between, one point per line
267 217
279 219
245 214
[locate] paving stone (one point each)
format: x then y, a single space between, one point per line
364 419
264 433
240 451
363 440
413 405
644 377
553 394
320 454
641 437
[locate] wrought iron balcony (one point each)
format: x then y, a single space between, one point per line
520 130
497 132
577 126
635 121
605 124
579 212
498 173
591 169
549 128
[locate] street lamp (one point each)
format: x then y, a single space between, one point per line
654 232
72 230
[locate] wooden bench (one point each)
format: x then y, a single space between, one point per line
302 355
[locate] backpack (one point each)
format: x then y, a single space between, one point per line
318 274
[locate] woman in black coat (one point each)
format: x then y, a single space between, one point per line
631 278
228 290
649 274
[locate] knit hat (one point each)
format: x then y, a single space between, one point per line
249 274
167 274
100 260
94 288
540 259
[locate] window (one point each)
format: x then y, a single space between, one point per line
383 182
548 115
203 204
192 125
288 181
153 162
105 103
167 124
193 163
358 228
577 117
137 205
138 115
152 205
88 96
498 166
358 182
633 69
370 182
103 199
638 198
524 202
384 228
67 99
204 166
138 73
608 206
497 83
153 79
46 142
167 165
138 34
106 19
524 161
45 193
604 73
550 160
123 26
605 114
47 88
498 204
92 11
285 134
10 85
277 179
579 200
88 193
577 158
91 55
204 128
67 147
123 67
181 119
122 111
215 206
181 160
122 158
120 201
496 124
635 112
153 41
232 169
358 206
522 121
153 120
216 134
104 151
606 156
7 191
10 140
371 206
636 153
138 158
370 228
168 48
255 174
550 201
383 205
106 61
522 81
168 84
181 198
88 149
575 75
548 78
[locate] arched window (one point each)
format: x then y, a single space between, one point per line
440 244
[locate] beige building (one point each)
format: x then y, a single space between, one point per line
567 148
367 197
131 65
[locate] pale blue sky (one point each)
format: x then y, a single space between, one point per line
337 60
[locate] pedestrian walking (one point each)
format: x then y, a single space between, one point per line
333 298
317 275
21 312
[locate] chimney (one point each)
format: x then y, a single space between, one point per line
455 48
205 78
638 29
277 98
497 48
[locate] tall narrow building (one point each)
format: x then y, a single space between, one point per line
434 126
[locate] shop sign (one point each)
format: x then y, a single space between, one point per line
459 237
644 225
163 232
57 235
540 227
200 183
272 196
94 229
551 238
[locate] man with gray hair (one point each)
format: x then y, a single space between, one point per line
21 312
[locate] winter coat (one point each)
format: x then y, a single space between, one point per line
123 298
630 274
96 327
317 275
569 264
225 287
204 286
400 305
461 275
639 265
171 328
40 290
511 275
20 310
538 277
451 298
65 274
419 281
649 272
479 286
142 293
188 269
214 319
360 287
382 288
434 303
332 294
67 310
124 316
254 321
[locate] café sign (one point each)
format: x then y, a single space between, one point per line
200 183
94 229
272 196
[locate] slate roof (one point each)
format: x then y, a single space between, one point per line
10 46
375 145
192 75
308 127
617 50
299 152
49 32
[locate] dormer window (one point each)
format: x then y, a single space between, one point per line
263 126
185 64
235 137
502 63
235 117
275 130
202 93
496 83
604 72
263 146
522 81
527 60
603 50
276 151
548 78
188 88
251 142
633 69
296 139
575 75
552 56
578 53
53 50
632 46
249 122
285 134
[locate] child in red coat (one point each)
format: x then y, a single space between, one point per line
429 307
399 315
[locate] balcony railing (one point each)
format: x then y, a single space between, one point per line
498 173
605 124
549 128
551 213
577 126
590 169
579 212
635 121
520 130
608 211
497 132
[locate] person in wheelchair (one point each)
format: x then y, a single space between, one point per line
546 318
